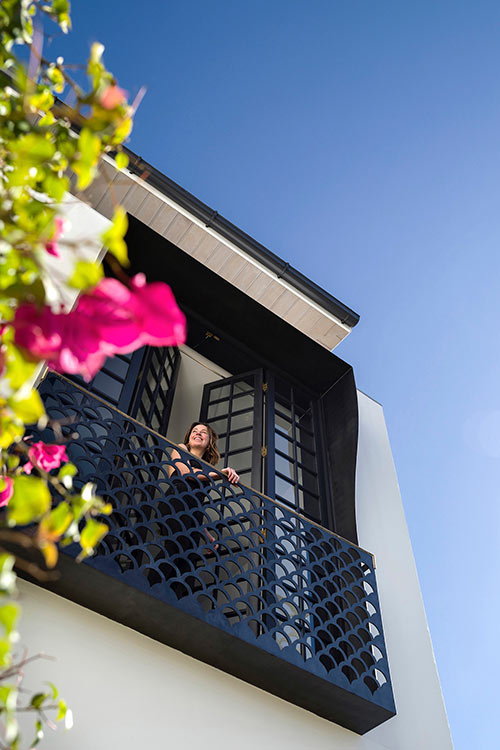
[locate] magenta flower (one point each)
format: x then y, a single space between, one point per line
45 456
7 491
51 245
112 97
108 320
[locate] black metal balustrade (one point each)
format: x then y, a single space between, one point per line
224 573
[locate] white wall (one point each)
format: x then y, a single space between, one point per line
421 722
127 690
195 372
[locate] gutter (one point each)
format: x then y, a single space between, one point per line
230 232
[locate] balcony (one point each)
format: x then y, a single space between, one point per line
223 573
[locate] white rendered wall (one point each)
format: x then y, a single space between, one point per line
195 372
421 722
128 691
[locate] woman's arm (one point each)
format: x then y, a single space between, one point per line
184 468
178 465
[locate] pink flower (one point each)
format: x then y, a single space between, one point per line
51 245
107 320
45 456
7 491
112 97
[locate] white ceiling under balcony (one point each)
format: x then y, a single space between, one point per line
177 225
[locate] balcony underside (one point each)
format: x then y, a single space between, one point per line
223 573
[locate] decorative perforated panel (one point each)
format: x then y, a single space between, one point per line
227 555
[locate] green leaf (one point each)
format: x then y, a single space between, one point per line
55 186
121 160
33 148
38 700
91 535
31 499
55 691
62 710
41 101
9 614
8 697
13 462
5 655
113 237
28 410
66 475
10 432
55 524
86 275
67 470
19 369
56 78
38 734
89 149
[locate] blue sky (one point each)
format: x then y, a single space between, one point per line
359 140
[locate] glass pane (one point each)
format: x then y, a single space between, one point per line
284 410
307 479
239 461
241 421
219 425
285 490
283 424
245 477
241 440
222 391
243 387
284 467
117 366
283 444
217 410
309 504
243 401
107 385
306 457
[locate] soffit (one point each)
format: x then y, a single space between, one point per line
169 220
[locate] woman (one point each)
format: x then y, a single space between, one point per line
201 441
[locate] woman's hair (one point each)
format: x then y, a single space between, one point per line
211 455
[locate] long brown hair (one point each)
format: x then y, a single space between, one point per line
211 455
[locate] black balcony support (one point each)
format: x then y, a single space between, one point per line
223 573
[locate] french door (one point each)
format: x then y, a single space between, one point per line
234 408
268 432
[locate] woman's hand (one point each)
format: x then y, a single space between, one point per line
231 475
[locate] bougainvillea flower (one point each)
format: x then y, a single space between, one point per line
51 245
6 493
112 97
110 319
45 456
59 339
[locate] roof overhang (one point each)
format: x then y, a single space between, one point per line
221 247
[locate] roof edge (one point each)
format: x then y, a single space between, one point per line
241 239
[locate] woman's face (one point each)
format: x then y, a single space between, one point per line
199 437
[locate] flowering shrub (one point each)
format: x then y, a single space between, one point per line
46 457
109 319
43 145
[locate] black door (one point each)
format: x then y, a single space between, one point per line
234 407
140 384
